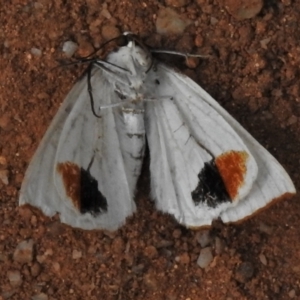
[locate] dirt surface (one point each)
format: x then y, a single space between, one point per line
252 71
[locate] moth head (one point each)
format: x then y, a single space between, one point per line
139 51
141 56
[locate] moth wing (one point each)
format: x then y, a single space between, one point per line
183 153
175 161
272 180
215 131
37 186
86 161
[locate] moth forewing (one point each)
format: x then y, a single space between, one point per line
38 185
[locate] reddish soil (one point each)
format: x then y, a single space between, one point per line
252 71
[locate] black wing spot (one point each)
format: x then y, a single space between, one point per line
211 189
92 200
157 81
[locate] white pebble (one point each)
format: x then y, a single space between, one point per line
205 258
69 48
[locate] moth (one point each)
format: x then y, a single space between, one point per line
204 165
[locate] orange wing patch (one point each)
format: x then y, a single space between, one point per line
232 168
71 175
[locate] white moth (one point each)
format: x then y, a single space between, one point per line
204 164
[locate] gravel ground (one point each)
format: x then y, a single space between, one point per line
252 71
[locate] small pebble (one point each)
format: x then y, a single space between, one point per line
24 252
184 258
199 40
40 296
169 22
292 293
35 51
92 249
48 252
296 269
244 272
151 252
164 244
109 32
76 254
41 258
105 13
56 266
213 21
69 48
205 258
6 44
138 269
4 176
264 43
38 5
244 9
85 48
14 278
33 221
192 62
263 259
3 161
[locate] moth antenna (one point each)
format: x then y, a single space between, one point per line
90 89
186 55
101 64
